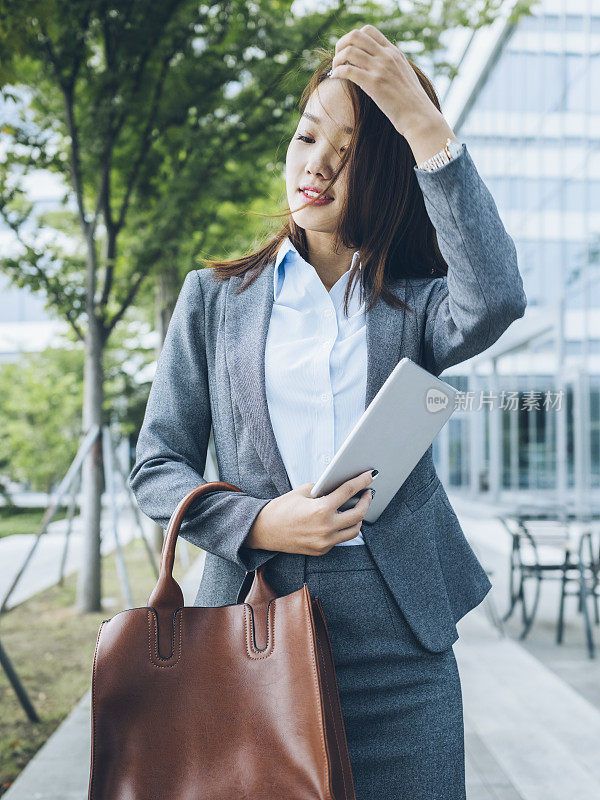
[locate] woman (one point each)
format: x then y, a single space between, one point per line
281 352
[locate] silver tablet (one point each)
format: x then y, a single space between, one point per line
392 434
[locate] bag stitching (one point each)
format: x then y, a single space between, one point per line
337 741
347 762
152 661
312 639
271 640
93 768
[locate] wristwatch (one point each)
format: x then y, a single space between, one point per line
450 150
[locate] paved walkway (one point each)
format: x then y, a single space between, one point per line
44 567
530 734
60 768
569 661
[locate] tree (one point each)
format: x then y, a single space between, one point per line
151 115
41 410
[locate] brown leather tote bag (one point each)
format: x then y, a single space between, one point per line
238 701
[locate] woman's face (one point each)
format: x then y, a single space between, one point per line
312 159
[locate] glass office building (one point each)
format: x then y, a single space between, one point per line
527 104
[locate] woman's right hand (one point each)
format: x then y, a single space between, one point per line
295 522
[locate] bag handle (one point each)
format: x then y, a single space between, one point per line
167 596
167 592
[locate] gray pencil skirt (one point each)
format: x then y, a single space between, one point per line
401 703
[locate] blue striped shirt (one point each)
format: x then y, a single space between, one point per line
315 366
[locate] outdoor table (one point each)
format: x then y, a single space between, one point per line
553 543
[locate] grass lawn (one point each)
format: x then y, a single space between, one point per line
25 520
51 647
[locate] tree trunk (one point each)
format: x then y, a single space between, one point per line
165 297
89 586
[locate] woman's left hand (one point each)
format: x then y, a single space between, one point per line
382 71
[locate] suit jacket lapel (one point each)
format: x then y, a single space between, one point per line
247 317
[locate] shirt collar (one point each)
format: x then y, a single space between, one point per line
284 249
279 271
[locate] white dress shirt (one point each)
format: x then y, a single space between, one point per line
315 366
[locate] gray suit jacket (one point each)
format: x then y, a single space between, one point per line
211 370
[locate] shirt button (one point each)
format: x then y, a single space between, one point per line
326 459
324 397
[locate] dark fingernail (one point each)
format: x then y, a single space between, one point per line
374 472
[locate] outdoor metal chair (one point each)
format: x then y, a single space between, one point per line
552 544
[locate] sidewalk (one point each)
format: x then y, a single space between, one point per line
43 569
569 661
530 734
60 768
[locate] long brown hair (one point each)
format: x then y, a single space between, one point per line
384 217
